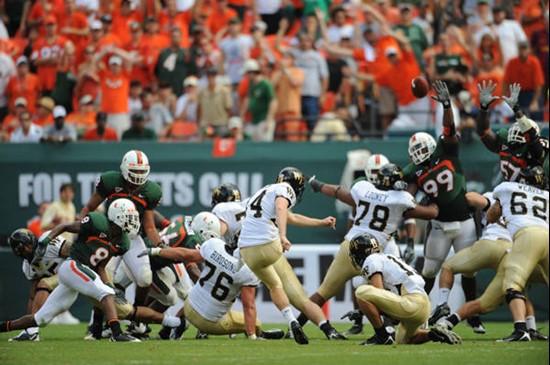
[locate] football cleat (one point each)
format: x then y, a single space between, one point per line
439 333
335 335
516 336
124 337
164 333
138 330
377 340
289 335
476 324
274 334
537 336
440 311
93 332
201 335
25 336
356 329
178 331
298 333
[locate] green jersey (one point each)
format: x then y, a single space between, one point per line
95 242
442 180
112 186
177 234
515 156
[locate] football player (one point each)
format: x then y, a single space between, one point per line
519 146
132 183
263 240
99 238
395 289
40 271
230 210
436 170
379 210
208 306
524 206
487 252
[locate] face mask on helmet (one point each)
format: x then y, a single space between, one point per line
123 213
22 243
516 136
421 147
135 167
206 225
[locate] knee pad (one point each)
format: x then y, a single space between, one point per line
512 294
431 268
146 277
124 310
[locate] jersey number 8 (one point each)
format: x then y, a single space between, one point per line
100 254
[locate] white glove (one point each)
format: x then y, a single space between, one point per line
512 100
486 90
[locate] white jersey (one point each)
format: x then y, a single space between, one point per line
396 274
232 214
259 221
522 205
220 281
378 212
494 231
49 263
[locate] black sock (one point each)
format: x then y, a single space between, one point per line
381 332
359 321
302 319
97 317
428 284
114 325
469 287
327 328
520 326
453 319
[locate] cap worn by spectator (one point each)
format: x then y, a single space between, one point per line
196 28
22 60
107 18
212 71
497 9
115 60
524 44
135 26
259 25
251 66
137 117
50 19
480 2
150 19
46 102
391 51
405 7
235 122
101 116
96 25
190 81
235 20
346 33
59 112
86 99
20 101
371 28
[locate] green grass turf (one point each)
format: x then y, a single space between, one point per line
64 345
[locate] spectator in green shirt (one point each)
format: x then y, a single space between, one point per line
414 33
261 103
138 130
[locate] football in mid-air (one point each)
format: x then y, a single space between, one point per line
419 87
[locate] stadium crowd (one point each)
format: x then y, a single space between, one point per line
189 70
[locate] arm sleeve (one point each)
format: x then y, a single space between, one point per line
101 186
87 227
155 197
450 149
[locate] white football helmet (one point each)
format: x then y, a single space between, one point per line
135 167
421 147
374 163
516 136
124 214
206 225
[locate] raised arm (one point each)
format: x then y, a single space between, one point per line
444 97
486 98
334 191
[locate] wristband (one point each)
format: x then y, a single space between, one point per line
316 185
155 251
446 104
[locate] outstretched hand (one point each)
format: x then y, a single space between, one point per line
512 100
329 222
486 90
443 96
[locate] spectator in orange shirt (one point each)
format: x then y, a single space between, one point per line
489 70
11 121
527 71
123 18
23 84
46 54
74 25
155 40
101 132
287 82
489 44
170 18
84 118
389 12
219 16
110 38
43 116
115 88
87 77
144 61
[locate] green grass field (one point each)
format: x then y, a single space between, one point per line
64 345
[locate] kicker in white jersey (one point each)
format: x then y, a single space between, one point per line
494 231
522 205
220 281
232 214
259 222
378 212
396 274
48 264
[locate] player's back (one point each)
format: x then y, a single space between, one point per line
232 213
396 274
220 281
378 212
522 205
258 226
